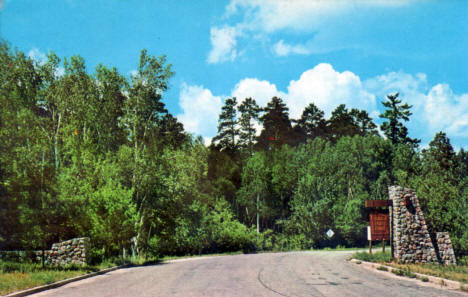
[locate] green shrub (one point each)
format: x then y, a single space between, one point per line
404 272
95 256
398 272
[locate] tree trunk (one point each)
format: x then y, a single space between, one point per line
56 149
258 218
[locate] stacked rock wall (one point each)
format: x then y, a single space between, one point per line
72 251
447 255
411 239
412 242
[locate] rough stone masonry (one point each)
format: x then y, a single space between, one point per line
73 251
412 242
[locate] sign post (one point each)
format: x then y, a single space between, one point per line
369 237
379 228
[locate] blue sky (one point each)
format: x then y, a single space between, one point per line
326 52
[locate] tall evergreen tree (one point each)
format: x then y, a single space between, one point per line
249 112
341 123
365 124
462 165
395 114
441 151
312 123
227 130
276 125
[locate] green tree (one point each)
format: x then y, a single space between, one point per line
312 123
276 125
227 130
249 111
395 114
441 193
341 123
143 110
441 151
111 86
255 175
365 124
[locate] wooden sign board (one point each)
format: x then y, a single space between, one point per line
378 203
379 225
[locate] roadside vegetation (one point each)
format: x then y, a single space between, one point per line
96 153
457 272
15 276
378 257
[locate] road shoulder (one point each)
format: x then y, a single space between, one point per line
432 281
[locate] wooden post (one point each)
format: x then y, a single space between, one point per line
383 246
370 246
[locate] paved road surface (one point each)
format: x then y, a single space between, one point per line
272 274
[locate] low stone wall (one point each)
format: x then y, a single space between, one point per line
411 239
447 255
73 251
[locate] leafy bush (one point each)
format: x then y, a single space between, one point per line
225 233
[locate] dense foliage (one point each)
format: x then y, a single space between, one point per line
99 155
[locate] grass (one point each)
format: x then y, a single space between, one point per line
383 268
404 272
453 272
16 276
17 281
378 257
19 276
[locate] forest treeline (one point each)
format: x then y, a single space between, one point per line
99 155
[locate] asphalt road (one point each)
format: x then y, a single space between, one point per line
318 273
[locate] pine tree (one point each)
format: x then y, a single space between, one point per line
312 123
249 113
395 114
341 123
365 124
227 130
276 125
441 151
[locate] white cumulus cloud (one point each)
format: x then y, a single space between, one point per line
260 90
321 85
200 110
223 42
435 108
447 111
328 88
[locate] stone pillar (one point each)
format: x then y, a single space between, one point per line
447 256
411 240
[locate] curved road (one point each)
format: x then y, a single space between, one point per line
317 273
